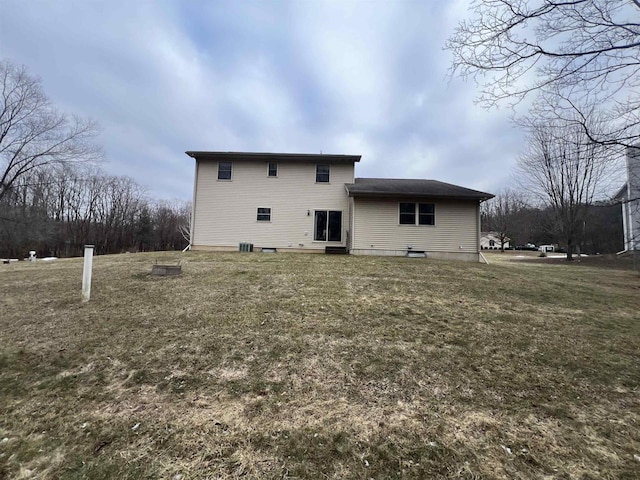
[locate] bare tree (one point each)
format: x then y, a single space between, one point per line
578 53
502 213
185 225
33 133
565 170
169 221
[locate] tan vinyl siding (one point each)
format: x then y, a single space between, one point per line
225 211
376 227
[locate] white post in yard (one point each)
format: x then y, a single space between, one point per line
86 273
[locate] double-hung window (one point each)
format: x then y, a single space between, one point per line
224 170
426 214
417 213
264 214
322 173
272 169
407 214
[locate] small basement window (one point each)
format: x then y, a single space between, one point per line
264 214
272 169
322 173
224 170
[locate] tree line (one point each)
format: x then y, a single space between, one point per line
58 209
516 222
53 197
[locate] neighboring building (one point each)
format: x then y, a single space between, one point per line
313 203
491 241
629 197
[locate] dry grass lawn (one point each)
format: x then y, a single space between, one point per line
314 366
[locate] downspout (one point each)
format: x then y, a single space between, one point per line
350 218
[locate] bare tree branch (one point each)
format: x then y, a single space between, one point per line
585 52
33 134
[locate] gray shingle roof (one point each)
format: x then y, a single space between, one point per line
397 187
274 157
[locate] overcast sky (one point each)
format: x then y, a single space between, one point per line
162 77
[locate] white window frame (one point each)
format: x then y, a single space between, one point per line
258 219
269 170
327 210
416 214
230 172
430 214
328 172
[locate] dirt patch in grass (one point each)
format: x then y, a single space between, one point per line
312 366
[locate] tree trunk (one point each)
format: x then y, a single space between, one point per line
569 250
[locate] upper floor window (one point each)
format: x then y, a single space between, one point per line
322 173
272 169
224 170
424 213
264 214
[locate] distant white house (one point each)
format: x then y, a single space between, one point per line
491 241
314 203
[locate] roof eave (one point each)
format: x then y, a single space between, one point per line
482 198
266 156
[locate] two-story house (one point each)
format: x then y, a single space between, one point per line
312 203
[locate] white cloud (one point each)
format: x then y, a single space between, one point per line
349 77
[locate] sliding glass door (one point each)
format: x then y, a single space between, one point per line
327 226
